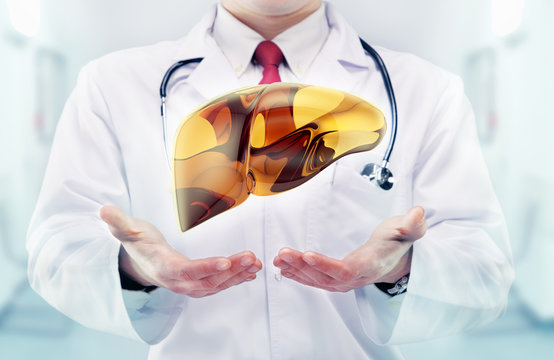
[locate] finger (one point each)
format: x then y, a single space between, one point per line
336 269
414 225
200 293
246 275
202 268
287 259
415 215
313 275
300 268
288 256
212 284
298 278
195 293
118 222
292 260
238 263
307 282
203 293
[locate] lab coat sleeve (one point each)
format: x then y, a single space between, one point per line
462 268
73 258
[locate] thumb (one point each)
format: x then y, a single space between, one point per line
119 223
414 225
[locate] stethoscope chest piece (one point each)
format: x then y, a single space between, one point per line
378 175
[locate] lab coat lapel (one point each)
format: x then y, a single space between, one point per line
214 75
341 50
327 71
340 59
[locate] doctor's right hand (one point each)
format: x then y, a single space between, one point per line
147 258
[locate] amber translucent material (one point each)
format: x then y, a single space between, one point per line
264 140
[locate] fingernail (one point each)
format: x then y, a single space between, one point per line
283 266
286 274
286 258
309 259
222 265
251 277
253 269
246 261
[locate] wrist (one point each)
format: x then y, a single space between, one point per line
401 269
396 281
130 273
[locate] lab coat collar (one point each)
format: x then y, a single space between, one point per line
215 75
342 51
344 42
226 30
197 41
298 51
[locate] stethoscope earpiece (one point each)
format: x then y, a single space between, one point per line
378 175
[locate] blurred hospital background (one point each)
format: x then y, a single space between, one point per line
503 49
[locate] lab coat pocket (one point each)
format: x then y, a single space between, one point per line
345 214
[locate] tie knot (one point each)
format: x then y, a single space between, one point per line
268 53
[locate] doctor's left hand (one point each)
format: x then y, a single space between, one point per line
147 258
385 257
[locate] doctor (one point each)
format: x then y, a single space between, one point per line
104 246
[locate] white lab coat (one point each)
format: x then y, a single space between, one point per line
108 150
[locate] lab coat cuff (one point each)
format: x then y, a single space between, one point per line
153 314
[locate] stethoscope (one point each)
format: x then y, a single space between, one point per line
379 175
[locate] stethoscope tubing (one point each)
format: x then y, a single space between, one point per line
390 93
163 96
370 50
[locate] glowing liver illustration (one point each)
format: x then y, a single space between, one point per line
264 140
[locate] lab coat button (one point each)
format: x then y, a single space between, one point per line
278 275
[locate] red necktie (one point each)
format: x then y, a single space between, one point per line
270 57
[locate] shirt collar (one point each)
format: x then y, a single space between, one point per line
299 51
